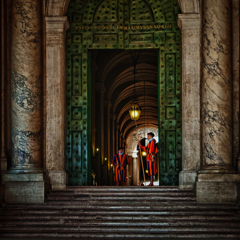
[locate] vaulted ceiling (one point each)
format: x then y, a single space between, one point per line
114 69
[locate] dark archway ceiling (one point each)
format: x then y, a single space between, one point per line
114 68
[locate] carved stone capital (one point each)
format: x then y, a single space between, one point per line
189 21
189 6
56 28
56 7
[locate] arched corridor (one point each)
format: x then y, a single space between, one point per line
112 86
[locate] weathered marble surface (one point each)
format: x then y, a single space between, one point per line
190 26
56 28
26 78
28 192
25 188
216 192
235 72
216 106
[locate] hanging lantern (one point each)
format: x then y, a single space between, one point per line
146 171
144 153
135 112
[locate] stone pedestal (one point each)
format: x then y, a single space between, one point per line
190 27
217 188
217 181
56 100
25 187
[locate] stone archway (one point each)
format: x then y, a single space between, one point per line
189 22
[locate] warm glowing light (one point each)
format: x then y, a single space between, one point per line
135 112
105 159
97 149
146 171
144 154
111 165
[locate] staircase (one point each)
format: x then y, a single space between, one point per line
156 212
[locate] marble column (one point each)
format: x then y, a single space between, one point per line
25 181
190 28
3 166
216 179
26 76
56 28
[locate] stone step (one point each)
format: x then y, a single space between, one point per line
121 188
140 218
147 229
119 207
209 236
121 198
73 212
139 194
107 212
92 202
101 223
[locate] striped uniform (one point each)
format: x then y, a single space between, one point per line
151 150
120 162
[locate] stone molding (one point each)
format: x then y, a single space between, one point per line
56 7
189 6
56 28
189 21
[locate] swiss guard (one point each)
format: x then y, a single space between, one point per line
151 159
120 161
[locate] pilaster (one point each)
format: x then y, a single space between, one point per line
191 45
56 28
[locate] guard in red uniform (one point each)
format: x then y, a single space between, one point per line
120 161
151 150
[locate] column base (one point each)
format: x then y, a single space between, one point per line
25 187
187 179
217 188
58 179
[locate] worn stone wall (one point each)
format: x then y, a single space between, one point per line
235 76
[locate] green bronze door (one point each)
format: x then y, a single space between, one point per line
130 25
